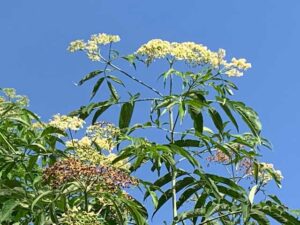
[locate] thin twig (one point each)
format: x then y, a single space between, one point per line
218 217
133 77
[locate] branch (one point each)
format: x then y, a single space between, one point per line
133 78
218 217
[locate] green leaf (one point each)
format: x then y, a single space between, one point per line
37 199
201 200
227 191
53 214
40 220
259 217
52 130
131 59
168 102
188 143
210 183
200 203
190 214
166 74
246 212
211 209
181 184
20 120
115 79
229 114
248 115
185 196
197 117
113 91
37 148
100 110
7 209
124 154
216 119
275 177
137 211
181 151
231 184
126 115
32 162
256 168
167 178
266 143
295 212
278 214
154 198
181 111
119 213
252 193
6 141
89 76
96 87
275 199
32 115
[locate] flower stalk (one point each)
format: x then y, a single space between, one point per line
174 173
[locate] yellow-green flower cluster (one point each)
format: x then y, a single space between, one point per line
155 49
104 39
77 45
64 122
84 143
92 51
194 54
104 135
85 152
188 51
10 92
236 67
11 103
38 125
78 217
91 47
241 64
265 171
11 96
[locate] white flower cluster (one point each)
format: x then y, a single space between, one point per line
86 152
103 134
64 122
91 47
194 54
266 170
76 216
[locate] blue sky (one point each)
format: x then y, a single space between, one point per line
35 34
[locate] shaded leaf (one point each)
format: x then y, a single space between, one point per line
126 114
197 118
96 87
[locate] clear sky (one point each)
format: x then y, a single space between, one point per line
35 34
